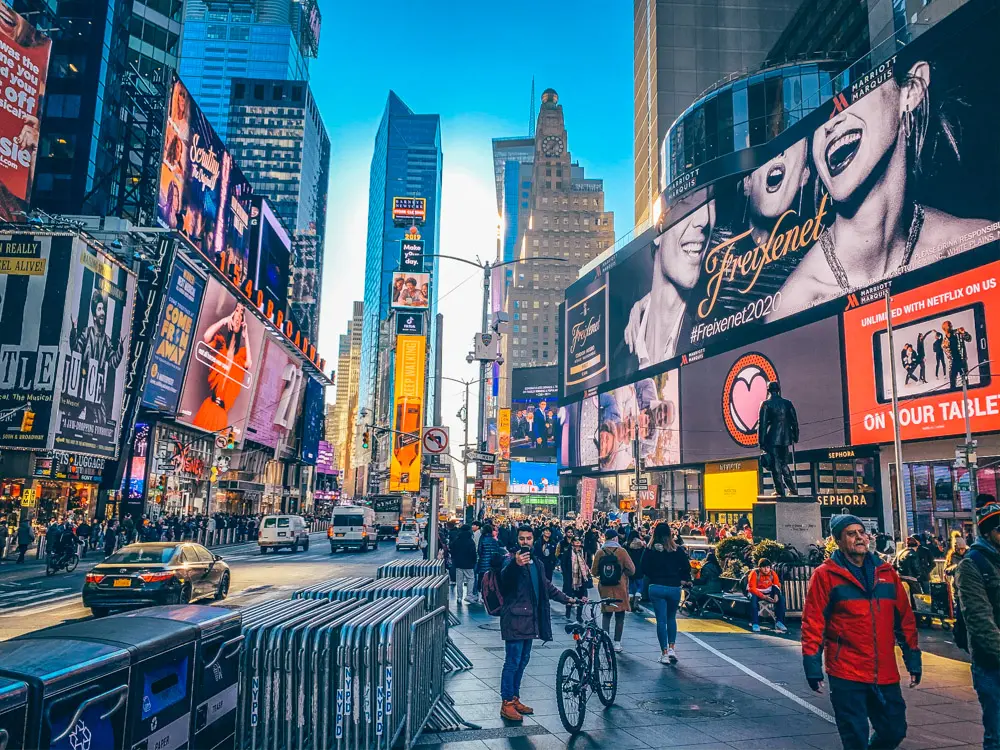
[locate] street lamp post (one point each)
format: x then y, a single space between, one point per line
465 421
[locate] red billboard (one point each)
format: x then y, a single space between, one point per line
940 333
24 65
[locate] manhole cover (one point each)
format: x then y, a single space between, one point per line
682 707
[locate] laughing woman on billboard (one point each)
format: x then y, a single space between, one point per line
230 341
869 159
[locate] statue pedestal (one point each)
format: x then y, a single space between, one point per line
789 520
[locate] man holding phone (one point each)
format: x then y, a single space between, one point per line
525 616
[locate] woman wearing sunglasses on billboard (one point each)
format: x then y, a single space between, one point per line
869 159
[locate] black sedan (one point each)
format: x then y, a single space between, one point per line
155 573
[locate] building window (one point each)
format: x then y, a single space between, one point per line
216 32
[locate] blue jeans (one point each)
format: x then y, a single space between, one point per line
518 653
779 608
987 685
665 600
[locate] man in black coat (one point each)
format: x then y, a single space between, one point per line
463 557
777 430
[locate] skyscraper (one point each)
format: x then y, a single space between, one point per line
278 138
346 407
406 163
681 48
227 39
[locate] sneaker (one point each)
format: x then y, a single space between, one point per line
672 655
664 659
618 647
780 627
509 712
756 628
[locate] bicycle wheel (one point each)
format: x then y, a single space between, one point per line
571 691
72 562
605 670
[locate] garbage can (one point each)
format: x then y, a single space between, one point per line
13 713
162 659
216 673
77 692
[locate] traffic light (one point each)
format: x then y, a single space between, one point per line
230 440
215 474
27 420
364 440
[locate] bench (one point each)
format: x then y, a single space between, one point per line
732 602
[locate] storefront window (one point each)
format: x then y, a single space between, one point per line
939 498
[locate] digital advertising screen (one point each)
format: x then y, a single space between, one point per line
721 395
228 350
533 478
649 406
408 413
893 174
270 254
411 291
23 75
577 448
174 338
533 412
312 420
942 333
277 380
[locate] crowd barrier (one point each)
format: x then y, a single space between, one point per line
408 568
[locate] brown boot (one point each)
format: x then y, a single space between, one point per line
521 708
508 711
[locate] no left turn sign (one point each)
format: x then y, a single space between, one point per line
434 440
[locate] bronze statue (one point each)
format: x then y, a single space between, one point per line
777 430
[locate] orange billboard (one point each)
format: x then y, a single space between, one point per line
503 433
408 415
941 332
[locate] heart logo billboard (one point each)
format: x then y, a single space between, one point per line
743 393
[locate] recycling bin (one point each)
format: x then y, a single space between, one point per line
216 672
161 655
13 713
77 692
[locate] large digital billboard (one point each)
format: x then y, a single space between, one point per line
894 173
411 291
23 72
312 420
648 409
220 376
408 414
721 395
941 333
533 478
34 279
270 254
93 351
203 193
533 419
173 339
278 380
577 448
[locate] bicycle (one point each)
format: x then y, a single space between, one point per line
591 665
54 562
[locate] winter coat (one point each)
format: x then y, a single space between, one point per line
758 582
708 579
488 549
566 568
980 600
463 551
665 568
857 628
526 614
545 553
635 550
24 533
620 589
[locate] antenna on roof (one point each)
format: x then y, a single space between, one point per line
531 112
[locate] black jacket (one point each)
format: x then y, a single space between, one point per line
664 568
545 553
463 551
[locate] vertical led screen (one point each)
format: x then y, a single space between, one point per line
173 339
220 374
533 423
24 69
577 448
278 380
270 254
97 328
312 420
34 277
408 414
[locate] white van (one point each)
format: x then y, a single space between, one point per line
283 531
352 527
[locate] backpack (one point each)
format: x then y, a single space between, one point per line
958 630
490 588
610 571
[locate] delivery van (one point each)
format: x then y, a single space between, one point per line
276 532
352 527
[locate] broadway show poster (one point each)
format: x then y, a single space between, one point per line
24 66
174 338
202 193
649 406
92 368
941 333
34 277
894 173
312 420
721 395
533 422
220 376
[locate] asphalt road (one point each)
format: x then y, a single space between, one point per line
29 600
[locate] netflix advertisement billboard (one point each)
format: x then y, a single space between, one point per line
940 332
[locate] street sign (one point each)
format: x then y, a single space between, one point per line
439 471
503 466
480 457
480 484
434 440
406 438
488 470
641 484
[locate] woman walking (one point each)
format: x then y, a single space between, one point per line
613 567
666 566
575 574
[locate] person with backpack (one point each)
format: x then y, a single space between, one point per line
635 547
525 615
667 567
613 567
576 578
463 557
763 584
916 562
487 550
977 626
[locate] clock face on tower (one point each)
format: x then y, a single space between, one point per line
552 145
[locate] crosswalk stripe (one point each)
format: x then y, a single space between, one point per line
58 603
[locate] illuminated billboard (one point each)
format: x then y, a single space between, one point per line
270 254
532 416
893 174
408 414
409 210
648 409
533 478
411 291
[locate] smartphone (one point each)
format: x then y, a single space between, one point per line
971 318
525 551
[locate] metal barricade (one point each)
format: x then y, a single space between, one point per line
408 568
330 589
426 678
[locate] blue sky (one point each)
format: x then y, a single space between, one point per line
472 63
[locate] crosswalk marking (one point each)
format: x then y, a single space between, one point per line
26 596
57 603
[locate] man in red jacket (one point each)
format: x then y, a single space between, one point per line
853 609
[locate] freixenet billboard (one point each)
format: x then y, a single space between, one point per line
893 174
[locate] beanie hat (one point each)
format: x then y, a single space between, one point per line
611 534
987 515
840 522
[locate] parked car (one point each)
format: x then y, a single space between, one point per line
352 527
150 573
276 532
408 537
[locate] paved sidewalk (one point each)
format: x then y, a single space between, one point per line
731 689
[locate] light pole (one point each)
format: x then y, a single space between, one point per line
464 416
